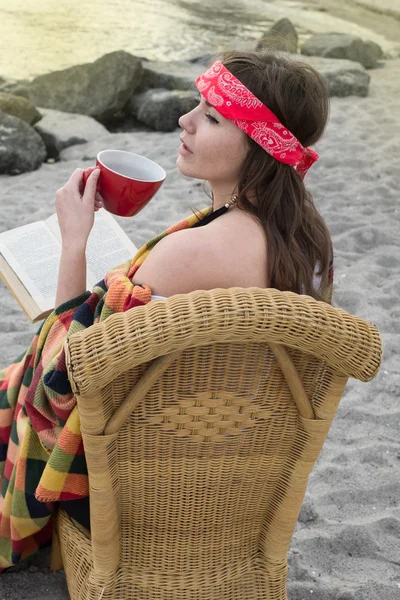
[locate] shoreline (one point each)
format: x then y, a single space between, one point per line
364 13
308 16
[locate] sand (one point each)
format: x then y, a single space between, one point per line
346 544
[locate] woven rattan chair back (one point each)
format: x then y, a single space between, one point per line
199 456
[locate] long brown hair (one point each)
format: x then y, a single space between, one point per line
298 241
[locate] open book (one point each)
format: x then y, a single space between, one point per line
30 257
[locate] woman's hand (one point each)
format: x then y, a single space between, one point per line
76 207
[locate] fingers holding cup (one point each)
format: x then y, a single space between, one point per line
98 201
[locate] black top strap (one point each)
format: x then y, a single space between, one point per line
211 216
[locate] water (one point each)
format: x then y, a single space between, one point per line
39 36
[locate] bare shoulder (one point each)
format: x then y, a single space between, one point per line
204 258
175 265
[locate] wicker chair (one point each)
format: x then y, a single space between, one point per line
202 417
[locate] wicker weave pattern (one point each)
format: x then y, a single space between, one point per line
210 416
347 343
198 493
258 583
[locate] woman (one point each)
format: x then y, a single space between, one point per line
249 137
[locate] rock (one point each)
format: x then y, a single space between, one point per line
33 569
343 45
6 81
205 60
308 511
161 109
281 36
374 52
21 147
175 75
60 130
17 106
12 86
101 89
343 77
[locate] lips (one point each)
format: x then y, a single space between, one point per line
186 146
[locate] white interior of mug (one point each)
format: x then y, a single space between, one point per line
133 166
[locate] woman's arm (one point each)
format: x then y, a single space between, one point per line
75 211
71 275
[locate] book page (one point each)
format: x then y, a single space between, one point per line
108 245
33 252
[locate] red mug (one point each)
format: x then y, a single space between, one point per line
127 181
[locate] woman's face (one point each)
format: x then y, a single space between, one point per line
217 147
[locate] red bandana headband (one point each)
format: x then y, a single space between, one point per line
235 102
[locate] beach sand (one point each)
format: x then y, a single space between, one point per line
346 544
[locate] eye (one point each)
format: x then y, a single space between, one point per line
211 118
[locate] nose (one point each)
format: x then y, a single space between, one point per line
186 122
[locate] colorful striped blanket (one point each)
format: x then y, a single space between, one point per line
41 451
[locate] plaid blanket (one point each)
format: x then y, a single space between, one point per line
42 459
41 450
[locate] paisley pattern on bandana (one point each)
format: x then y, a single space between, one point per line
203 85
243 125
279 143
234 101
214 98
237 92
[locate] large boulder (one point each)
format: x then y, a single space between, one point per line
281 36
161 109
173 75
17 106
60 130
342 77
21 147
343 45
101 89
